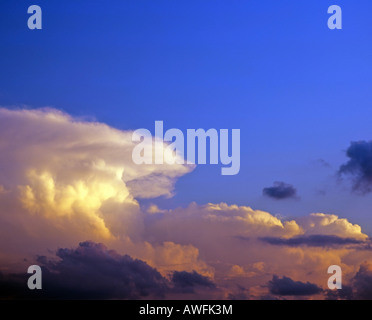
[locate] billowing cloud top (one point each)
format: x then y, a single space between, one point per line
52 141
62 178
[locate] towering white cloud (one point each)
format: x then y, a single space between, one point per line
64 180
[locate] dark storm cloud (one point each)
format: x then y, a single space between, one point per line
91 271
360 287
280 191
311 241
186 282
362 283
287 287
359 167
346 293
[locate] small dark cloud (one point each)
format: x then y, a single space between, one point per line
287 287
359 167
186 282
280 191
311 241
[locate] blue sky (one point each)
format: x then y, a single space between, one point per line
298 91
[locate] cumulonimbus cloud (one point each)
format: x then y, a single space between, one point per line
65 181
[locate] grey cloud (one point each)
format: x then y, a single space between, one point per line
287 287
362 283
346 293
91 271
280 191
359 166
311 241
186 282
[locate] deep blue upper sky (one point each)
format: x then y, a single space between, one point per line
298 91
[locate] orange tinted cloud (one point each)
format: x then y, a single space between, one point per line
66 181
